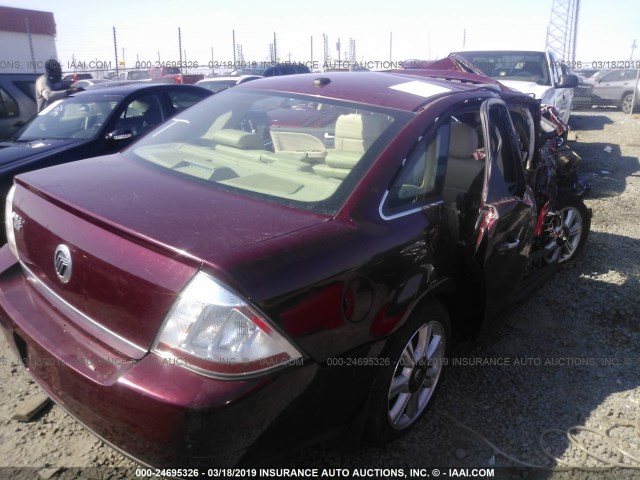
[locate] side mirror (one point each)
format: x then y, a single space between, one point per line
568 81
119 135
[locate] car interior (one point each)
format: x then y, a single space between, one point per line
140 115
301 162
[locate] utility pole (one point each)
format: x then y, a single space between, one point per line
115 49
325 39
233 34
275 48
180 47
634 45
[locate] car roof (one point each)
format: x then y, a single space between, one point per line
386 89
122 90
221 78
502 50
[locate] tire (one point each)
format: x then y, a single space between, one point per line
626 103
570 230
405 388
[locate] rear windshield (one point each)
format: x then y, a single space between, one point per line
287 149
508 65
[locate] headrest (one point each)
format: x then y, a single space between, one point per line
238 139
152 116
463 142
360 127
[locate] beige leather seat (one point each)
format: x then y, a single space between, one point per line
248 146
463 180
462 169
354 135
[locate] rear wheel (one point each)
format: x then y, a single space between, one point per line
567 232
405 388
627 103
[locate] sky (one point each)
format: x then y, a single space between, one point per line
390 30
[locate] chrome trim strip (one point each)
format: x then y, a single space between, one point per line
406 212
121 344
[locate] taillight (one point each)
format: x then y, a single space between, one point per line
212 331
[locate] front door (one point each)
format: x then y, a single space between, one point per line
505 229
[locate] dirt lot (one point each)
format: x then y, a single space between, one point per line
568 358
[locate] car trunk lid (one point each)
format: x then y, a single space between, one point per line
133 237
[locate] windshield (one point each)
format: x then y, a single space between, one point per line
507 65
286 149
73 117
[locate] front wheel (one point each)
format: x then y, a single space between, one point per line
627 103
405 388
567 231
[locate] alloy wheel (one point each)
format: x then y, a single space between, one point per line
416 375
565 236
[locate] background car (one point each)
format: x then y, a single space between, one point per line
614 87
217 84
72 78
273 70
140 75
285 69
91 123
535 72
88 82
286 260
17 101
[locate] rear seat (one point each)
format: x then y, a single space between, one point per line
249 146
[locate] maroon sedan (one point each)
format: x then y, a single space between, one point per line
286 259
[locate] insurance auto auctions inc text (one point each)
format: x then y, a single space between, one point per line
375 473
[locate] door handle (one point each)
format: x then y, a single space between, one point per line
506 246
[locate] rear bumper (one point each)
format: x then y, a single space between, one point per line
154 411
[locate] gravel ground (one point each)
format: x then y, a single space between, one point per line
567 358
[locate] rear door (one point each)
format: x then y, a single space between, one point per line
504 231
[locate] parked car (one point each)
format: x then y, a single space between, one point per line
286 69
91 123
89 82
586 72
217 84
611 87
236 284
174 75
273 70
535 72
72 78
140 75
17 101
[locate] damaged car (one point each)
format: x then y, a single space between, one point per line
285 260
